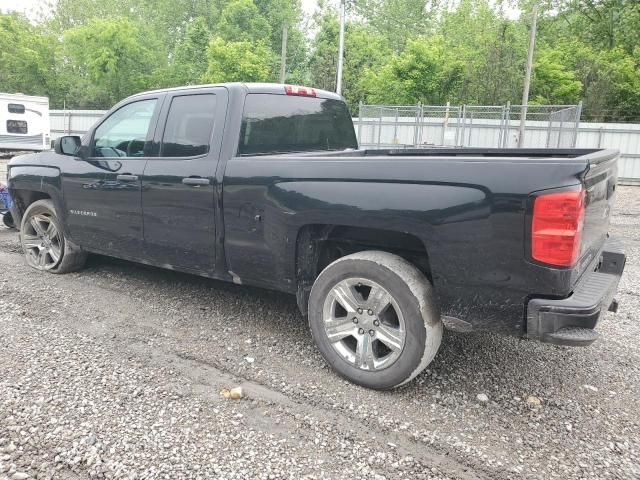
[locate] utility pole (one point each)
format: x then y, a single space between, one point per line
283 56
527 77
340 47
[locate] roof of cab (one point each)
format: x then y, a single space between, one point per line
271 88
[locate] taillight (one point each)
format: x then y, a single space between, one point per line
296 90
556 229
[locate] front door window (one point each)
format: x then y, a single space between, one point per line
125 132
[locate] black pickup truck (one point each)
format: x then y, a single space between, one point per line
264 185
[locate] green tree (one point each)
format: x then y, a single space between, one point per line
237 62
189 62
277 12
167 16
364 48
240 20
27 57
492 47
107 60
400 20
423 72
610 79
553 81
604 24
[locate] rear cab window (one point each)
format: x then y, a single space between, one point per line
289 123
187 132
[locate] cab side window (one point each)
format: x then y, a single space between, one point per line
125 132
189 126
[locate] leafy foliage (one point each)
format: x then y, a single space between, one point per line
91 53
27 58
363 49
553 81
236 62
423 72
189 62
108 59
240 20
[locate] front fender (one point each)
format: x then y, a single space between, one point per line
28 183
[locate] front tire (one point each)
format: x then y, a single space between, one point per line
43 241
374 319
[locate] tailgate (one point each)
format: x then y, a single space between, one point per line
600 184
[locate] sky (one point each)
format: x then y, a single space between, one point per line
18 5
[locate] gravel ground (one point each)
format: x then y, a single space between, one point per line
116 372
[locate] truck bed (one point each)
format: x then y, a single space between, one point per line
470 207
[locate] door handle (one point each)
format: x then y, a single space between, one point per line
127 178
195 181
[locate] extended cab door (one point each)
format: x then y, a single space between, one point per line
102 190
178 186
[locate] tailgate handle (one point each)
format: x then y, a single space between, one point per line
125 177
196 181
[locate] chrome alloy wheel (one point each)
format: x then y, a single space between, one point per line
364 324
42 242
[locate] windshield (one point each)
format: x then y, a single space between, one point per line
288 123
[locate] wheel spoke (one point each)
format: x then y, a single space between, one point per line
339 328
391 337
54 253
35 223
378 299
52 231
344 295
42 258
364 353
30 241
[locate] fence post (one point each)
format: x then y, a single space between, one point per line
65 125
600 133
420 131
501 128
380 110
445 123
458 110
560 127
507 125
464 121
470 128
578 112
395 128
359 122
417 125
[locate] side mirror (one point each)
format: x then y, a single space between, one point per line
67 145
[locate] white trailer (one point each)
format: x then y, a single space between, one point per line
24 122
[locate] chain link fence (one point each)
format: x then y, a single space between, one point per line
490 126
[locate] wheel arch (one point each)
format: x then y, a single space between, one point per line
318 245
28 184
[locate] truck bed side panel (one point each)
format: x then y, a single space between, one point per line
473 228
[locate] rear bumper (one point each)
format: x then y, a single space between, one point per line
572 320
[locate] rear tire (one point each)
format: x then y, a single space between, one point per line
374 319
43 241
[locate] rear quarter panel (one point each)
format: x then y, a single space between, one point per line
469 213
